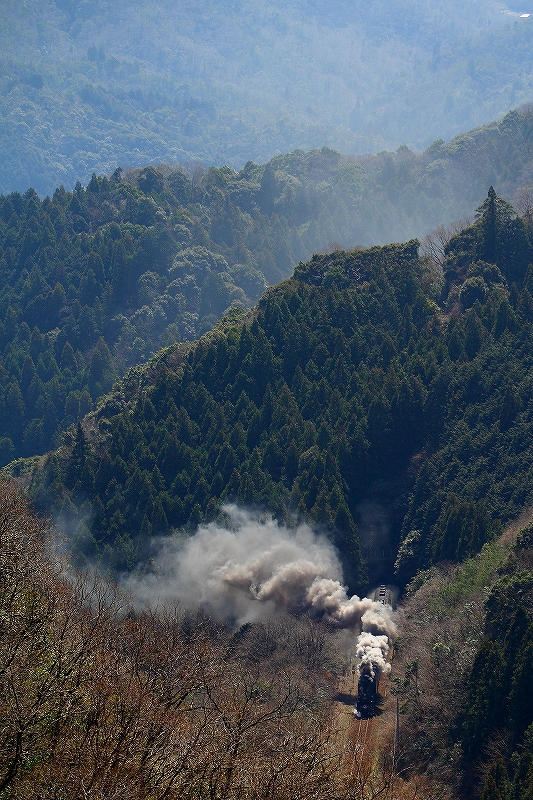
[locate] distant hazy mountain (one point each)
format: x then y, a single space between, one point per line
91 86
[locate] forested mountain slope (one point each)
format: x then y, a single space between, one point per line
96 280
270 411
360 380
464 649
88 87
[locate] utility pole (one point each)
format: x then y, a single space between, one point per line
395 745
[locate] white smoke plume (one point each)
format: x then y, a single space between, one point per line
372 650
253 568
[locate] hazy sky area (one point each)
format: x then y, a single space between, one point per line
91 86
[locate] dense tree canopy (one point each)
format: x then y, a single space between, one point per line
462 671
349 384
98 279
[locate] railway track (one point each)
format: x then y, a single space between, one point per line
360 744
362 739
361 747
359 735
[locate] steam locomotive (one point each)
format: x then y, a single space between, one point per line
367 689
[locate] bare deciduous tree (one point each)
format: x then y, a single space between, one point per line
523 202
434 244
102 703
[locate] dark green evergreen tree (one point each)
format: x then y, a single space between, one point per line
496 785
521 694
484 700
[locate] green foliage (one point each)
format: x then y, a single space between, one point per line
522 784
347 383
499 694
461 529
96 280
470 628
499 238
291 409
496 785
471 576
484 700
524 540
504 596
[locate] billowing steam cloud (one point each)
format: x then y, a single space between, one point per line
253 568
372 650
